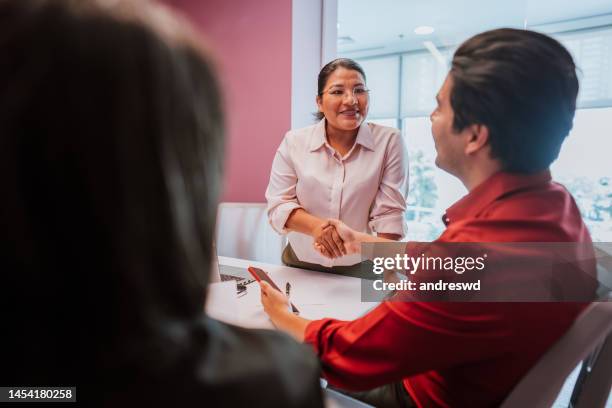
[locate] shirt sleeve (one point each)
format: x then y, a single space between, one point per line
387 213
400 339
281 192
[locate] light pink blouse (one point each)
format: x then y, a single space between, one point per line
366 188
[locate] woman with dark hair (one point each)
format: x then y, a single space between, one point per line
341 167
111 138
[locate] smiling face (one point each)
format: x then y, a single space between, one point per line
344 100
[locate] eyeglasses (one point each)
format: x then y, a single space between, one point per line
357 92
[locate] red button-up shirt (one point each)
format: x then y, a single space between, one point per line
461 354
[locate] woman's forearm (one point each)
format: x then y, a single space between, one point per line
301 221
388 235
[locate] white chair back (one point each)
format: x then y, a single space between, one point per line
243 231
595 380
541 385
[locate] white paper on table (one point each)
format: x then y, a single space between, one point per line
309 287
222 302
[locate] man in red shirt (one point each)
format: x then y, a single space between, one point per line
501 117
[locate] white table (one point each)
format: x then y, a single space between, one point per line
315 294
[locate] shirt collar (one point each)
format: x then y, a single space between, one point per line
364 136
495 187
318 136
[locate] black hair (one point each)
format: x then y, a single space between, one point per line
328 69
111 135
522 85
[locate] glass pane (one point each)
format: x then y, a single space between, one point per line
431 190
382 77
592 52
584 169
422 76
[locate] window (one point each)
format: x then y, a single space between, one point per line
592 51
403 84
584 169
382 76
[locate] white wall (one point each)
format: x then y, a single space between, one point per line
313 44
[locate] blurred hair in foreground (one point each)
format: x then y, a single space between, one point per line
111 135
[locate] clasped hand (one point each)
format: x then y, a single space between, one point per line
334 239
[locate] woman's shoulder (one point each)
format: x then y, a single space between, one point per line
253 359
221 364
302 137
383 131
386 137
307 130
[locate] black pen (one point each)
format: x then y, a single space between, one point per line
288 293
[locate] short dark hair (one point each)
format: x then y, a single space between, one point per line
328 69
111 135
522 85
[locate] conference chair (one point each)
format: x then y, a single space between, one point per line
589 339
243 231
592 387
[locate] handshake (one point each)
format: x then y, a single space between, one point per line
334 239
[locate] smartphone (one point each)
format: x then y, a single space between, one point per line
261 275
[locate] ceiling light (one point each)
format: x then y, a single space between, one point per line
423 30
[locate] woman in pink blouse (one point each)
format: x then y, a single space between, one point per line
341 168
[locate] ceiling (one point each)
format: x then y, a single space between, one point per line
387 26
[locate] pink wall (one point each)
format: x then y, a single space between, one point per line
252 43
